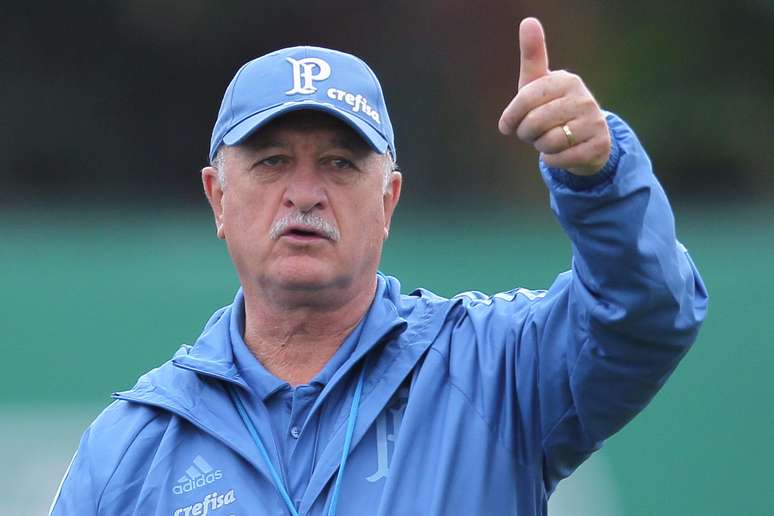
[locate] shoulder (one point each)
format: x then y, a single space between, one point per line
120 426
473 302
122 421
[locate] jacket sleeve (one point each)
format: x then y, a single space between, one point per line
556 372
632 305
75 496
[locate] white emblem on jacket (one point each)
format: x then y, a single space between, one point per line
395 415
212 501
198 474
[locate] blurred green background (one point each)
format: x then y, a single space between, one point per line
108 260
95 299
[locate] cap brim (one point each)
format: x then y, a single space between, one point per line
249 125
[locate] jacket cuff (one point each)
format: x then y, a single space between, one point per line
603 176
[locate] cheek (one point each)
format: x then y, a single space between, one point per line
245 220
368 224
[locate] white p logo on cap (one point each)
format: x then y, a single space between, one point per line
304 71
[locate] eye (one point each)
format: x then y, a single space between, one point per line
272 161
341 163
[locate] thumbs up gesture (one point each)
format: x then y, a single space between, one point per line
554 111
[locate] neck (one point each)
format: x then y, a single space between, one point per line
295 340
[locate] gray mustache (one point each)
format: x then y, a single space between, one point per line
315 222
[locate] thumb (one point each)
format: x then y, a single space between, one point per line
532 51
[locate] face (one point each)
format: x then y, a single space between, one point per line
303 210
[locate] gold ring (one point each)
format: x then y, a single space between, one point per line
569 135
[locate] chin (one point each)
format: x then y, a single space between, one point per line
306 276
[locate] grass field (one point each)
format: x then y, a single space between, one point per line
91 300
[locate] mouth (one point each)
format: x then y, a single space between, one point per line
303 234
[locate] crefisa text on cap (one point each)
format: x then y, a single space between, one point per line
358 102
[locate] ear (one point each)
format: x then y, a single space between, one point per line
214 192
391 198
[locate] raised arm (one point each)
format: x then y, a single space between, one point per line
558 372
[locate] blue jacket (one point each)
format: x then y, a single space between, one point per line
470 405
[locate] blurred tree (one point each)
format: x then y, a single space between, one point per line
116 100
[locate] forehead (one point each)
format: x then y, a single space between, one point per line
331 130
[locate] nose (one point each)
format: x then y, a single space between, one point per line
305 190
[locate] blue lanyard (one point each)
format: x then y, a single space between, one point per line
279 485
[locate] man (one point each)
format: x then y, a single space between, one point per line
323 390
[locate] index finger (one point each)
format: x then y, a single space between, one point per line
529 97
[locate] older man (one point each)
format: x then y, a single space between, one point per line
323 390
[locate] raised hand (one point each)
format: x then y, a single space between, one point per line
554 111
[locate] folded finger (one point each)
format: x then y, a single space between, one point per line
590 155
542 119
531 96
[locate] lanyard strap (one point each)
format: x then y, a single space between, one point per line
351 420
279 485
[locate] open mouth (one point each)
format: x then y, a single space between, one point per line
303 234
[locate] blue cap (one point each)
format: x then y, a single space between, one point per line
304 78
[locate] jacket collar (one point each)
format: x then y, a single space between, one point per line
211 354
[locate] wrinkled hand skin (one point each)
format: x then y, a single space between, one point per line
546 100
